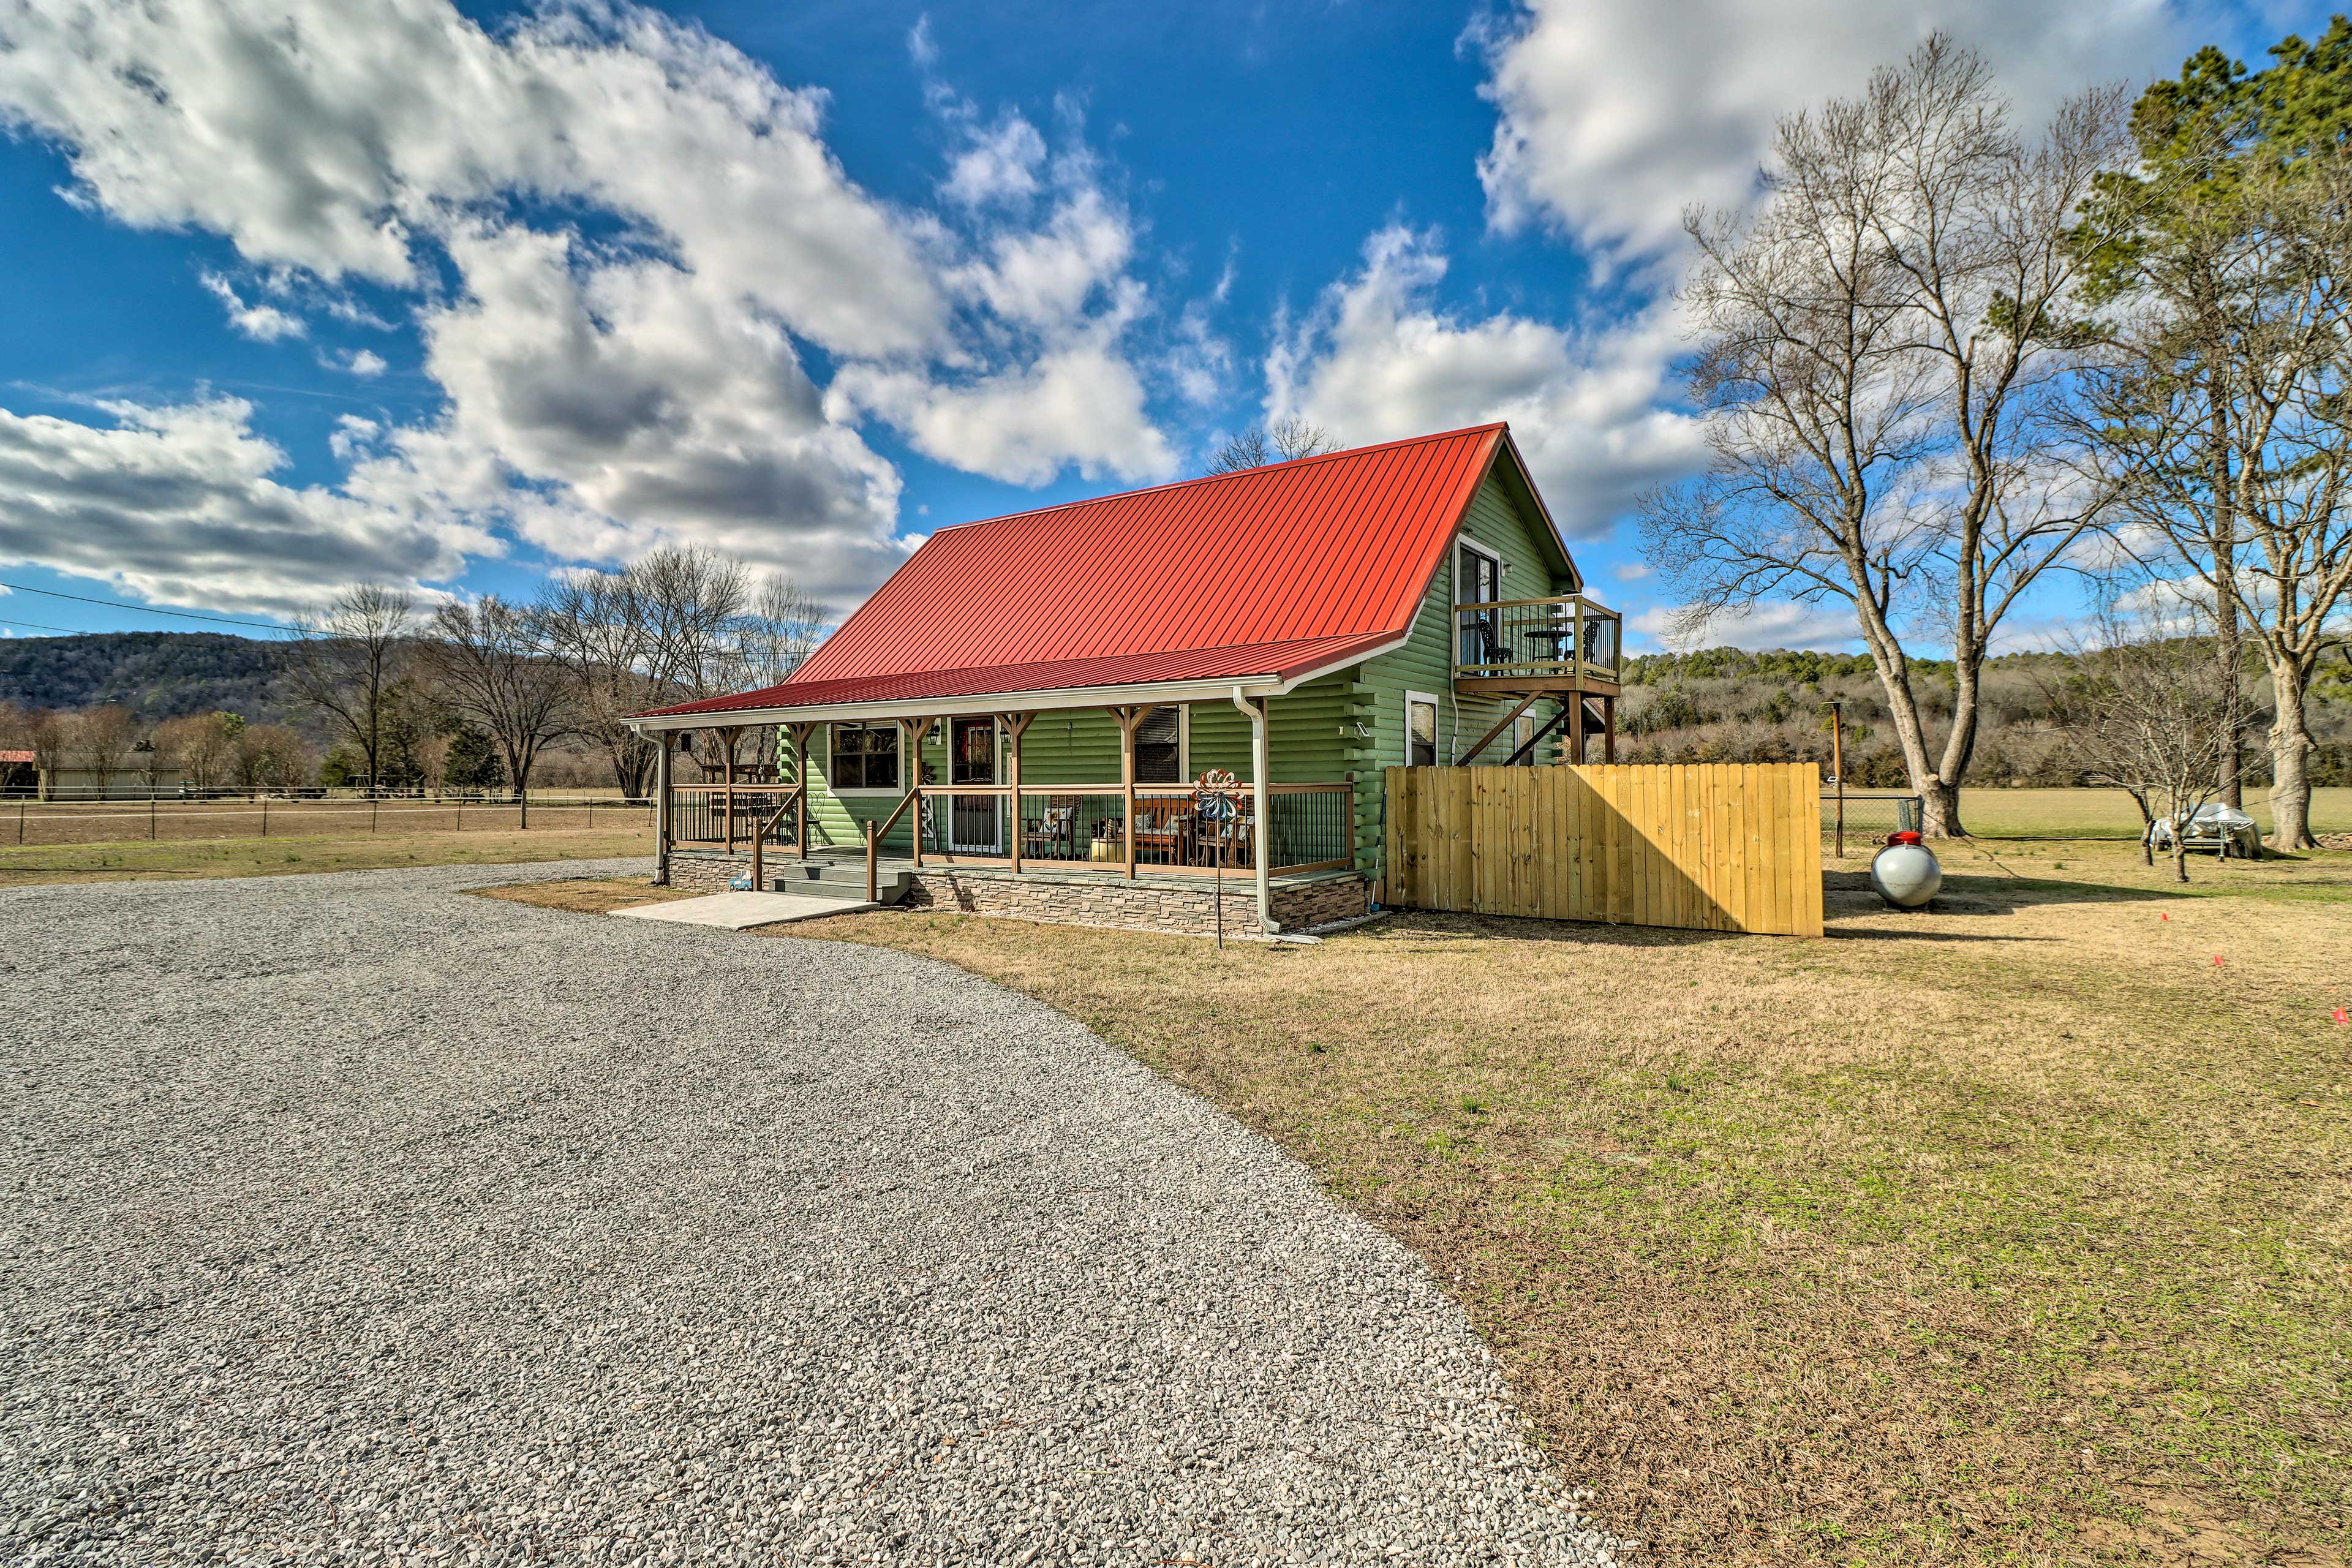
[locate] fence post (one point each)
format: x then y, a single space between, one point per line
265 816
20 822
151 816
461 816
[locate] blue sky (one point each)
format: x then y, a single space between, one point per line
303 291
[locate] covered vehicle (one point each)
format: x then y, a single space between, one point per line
2221 829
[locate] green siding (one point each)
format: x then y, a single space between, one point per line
1426 662
1313 737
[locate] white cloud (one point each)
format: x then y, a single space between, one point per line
643 228
178 505
1759 626
1000 165
921 47
1375 360
262 323
1613 118
1079 402
366 363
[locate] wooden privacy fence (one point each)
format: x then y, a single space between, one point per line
1703 846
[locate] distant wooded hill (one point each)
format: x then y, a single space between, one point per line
1725 705
156 675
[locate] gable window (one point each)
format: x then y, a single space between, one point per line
1419 730
865 757
1160 747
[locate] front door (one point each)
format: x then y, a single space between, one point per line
974 821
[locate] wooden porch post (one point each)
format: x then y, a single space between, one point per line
1128 719
1017 724
1575 757
727 733
910 768
1609 729
800 733
661 809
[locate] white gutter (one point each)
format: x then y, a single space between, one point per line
1261 764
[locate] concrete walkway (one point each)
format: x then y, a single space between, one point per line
742 911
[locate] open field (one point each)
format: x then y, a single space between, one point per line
2013 1233
139 860
28 823
2109 812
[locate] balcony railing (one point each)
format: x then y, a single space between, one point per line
725 814
1565 636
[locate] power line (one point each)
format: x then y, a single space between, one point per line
36 626
145 610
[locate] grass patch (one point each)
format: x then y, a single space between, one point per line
2109 812
2016 1232
586 895
274 857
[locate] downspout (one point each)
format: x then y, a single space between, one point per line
1261 764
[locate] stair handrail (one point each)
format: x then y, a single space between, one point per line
759 830
874 840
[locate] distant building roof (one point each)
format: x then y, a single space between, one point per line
1279 572
16 756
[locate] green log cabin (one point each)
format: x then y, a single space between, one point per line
1037 697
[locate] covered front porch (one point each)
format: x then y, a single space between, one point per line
1081 795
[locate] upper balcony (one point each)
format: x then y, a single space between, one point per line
1565 643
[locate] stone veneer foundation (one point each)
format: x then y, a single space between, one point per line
1160 904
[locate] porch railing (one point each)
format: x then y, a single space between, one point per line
1565 636
701 815
1086 825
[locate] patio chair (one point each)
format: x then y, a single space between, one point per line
1052 836
1162 835
1487 641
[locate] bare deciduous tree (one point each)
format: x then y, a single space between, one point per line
492 662
1284 441
775 636
1884 363
346 659
102 738
680 624
269 756
46 736
2152 716
202 745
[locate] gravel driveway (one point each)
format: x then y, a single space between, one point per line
352 1219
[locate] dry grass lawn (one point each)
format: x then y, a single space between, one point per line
587 895
275 856
2013 1233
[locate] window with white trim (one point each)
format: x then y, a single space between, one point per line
1419 730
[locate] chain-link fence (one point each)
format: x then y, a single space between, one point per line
1855 824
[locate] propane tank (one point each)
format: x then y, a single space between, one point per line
1904 872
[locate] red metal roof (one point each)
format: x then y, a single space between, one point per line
16 756
1275 570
